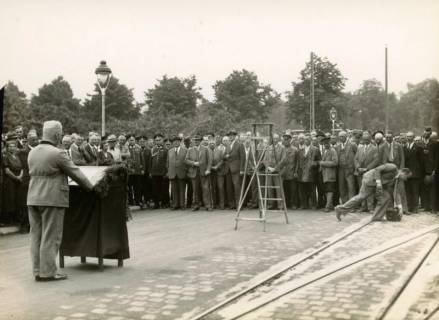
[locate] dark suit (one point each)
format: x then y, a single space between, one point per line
346 168
200 174
177 175
414 157
434 161
105 158
288 167
308 165
23 155
146 181
233 157
47 199
217 176
91 155
77 155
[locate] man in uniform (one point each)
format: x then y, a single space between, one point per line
159 159
47 199
233 157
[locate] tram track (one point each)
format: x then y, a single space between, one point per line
307 280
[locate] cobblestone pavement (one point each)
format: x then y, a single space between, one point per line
184 262
353 294
180 261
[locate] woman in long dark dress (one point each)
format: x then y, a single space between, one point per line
12 175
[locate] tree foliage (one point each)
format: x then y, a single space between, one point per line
15 107
55 101
244 97
172 96
328 85
119 103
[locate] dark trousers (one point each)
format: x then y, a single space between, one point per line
425 194
146 187
412 192
435 193
251 199
159 186
189 192
233 187
178 191
291 193
307 193
217 189
135 189
321 195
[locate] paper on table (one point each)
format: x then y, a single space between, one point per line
93 173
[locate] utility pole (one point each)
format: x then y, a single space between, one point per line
386 88
311 104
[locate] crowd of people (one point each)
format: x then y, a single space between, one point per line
318 170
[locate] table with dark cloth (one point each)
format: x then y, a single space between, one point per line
95 226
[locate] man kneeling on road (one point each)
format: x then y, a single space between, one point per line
383 181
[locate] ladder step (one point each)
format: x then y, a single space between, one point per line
272 199
271 187
267 174
250 219
279 211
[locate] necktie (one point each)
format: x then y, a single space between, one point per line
391 153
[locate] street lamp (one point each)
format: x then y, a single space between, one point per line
333 117
103 73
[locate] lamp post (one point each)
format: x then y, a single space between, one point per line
333 117
103 73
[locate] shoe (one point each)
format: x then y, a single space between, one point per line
195 208
338 213
56 277
174 208
209 209
327 210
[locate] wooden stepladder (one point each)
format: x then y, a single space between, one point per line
262 146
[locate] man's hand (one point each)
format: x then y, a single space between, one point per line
270 169
207 172
196 164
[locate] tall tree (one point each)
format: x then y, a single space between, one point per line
419 106
55 101
119 103
174 96
15 107
328 85
244 97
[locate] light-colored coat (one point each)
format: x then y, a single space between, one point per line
176 163
49 168
203 156
328 165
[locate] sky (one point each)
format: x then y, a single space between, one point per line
143 40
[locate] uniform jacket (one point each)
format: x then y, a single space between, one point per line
147 159
91 155
328 165
308 164
218 160
414 160
346 156
48 170
136 161
288 166
176 163
77 155
366 158
233 157
203 156
429 157
159 161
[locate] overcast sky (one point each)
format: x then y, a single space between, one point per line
142 40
